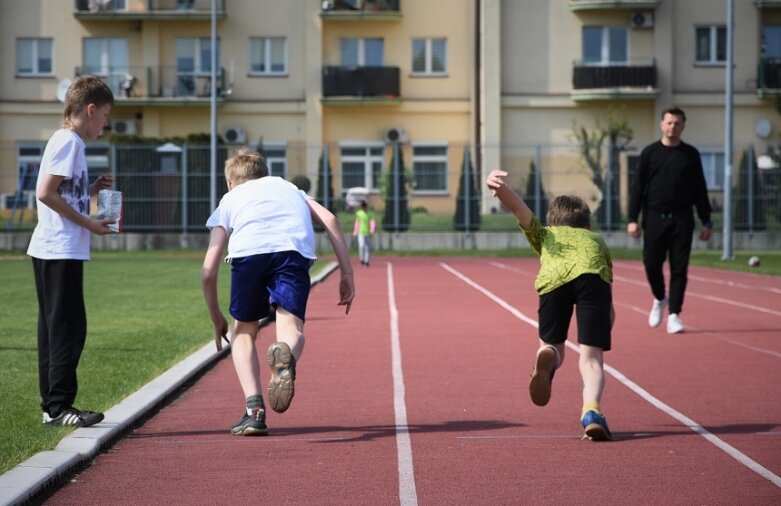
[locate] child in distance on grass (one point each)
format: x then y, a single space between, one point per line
575 270
364 230
266 223
60 245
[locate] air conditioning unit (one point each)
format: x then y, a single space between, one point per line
235 135
123 127
642 20
395 134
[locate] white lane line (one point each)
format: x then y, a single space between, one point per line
644 394
408 495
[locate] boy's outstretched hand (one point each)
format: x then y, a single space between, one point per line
495 181
346 291
221 332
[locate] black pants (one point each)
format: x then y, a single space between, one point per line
62 330
668 234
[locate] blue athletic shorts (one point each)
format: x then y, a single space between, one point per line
271 279
592 298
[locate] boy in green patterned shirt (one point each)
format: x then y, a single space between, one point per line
575 271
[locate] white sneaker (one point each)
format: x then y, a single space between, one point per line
674 324
657 312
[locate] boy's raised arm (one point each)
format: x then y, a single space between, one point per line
509 198
327 219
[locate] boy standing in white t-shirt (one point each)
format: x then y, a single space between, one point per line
59 246
266 223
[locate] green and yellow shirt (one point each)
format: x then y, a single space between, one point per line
566 253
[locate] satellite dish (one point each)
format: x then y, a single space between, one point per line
763 128
62 89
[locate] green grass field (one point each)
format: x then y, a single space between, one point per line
145 313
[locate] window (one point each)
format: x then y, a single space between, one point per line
362 165
605 45
711 44
429 167
771 42
97 160
193 66
275 154
107 57
268 56
361 52
713 167
429 56
34 57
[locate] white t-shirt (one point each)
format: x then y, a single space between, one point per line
55 237
265 215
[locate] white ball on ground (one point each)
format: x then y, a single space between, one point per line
754 261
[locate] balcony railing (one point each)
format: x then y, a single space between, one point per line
359 9
154 9
614 76
157 83
361 82
582 5
769 76
768 4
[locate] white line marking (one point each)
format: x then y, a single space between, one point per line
408 495
644 394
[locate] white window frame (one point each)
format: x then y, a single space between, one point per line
113 72
361 51
428 57
605 60
275 154
429 158
199 66
36 43
266 44
712 169
713 44
374 152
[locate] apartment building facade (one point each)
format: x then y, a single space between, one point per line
342 79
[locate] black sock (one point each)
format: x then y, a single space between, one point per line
255 401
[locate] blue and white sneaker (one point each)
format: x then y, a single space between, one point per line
595 427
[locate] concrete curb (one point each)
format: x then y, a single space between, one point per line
44 469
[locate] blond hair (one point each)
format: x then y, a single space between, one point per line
84 91
245 165
570 211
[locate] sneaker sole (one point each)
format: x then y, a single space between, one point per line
249 431
280 387
596 432
540 384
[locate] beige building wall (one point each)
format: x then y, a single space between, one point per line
519 106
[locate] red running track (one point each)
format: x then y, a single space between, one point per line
419 396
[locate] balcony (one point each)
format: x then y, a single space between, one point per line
768 4
605 82
159 85
584 5
769 77
102 10
361 9
361 84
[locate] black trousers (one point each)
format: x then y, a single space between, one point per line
62 330
668 235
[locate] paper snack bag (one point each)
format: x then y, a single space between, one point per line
110 208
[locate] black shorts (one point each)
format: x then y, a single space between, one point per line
593 298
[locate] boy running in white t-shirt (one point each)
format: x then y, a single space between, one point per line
266 223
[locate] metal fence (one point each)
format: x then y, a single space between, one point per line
168 187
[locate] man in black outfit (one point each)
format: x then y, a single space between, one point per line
669 181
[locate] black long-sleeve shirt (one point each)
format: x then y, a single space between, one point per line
669 180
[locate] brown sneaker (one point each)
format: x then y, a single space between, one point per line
542 377
283 374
